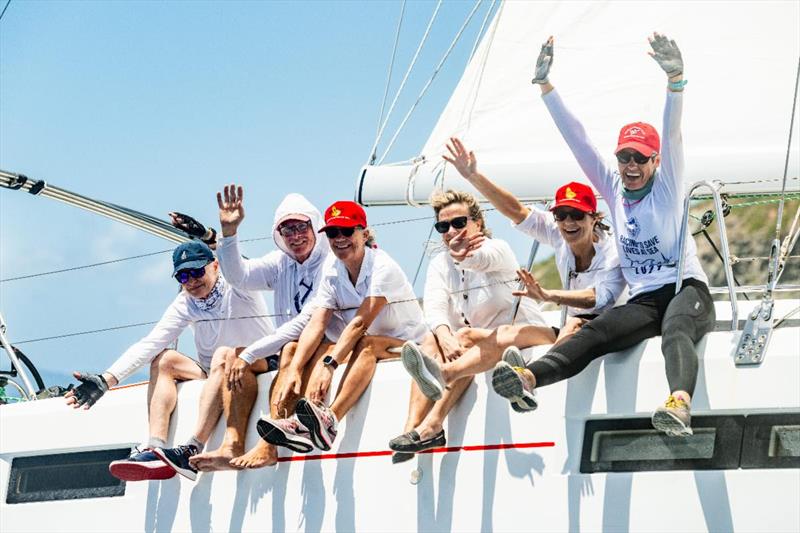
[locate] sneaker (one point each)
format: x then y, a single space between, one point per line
673 418
178 458
286 432
513 357
510 383
141 465
319 420
425 370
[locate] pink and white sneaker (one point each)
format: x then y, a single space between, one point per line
286 432
319 420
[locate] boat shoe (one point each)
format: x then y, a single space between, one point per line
140 466
411 442
425 370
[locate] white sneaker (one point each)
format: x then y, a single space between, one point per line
425 370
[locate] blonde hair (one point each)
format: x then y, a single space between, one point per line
440 200
600 227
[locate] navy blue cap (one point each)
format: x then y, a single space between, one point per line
192 254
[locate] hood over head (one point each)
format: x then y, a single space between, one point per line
296 204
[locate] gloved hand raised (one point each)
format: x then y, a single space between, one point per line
667 54
91 389
544 62
193 227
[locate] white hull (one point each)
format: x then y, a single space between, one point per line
537 488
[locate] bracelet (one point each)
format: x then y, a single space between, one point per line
677 85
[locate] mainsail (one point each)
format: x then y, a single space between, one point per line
741 60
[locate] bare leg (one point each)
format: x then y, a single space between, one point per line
360 369
432 424
162 391
419 405
237 407
487 352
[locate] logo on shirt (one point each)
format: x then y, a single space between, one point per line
335 211
300 300
633 227
569 194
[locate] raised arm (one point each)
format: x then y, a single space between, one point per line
573 132
467 165
581 298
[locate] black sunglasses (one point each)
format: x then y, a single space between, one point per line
561 214
287 230
443 226
183 275
335 231
625 157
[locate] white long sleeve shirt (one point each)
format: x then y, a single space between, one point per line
647 231
238 319
477 291
603 275
379 276
294 283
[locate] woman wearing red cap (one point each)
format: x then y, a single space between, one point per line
588 264
645 196
351 318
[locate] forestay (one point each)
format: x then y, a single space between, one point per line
741 60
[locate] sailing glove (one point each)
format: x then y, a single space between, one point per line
91 389
667 55
194 228
543 63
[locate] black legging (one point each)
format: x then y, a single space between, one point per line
680 319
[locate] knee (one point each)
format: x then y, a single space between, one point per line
164 362
505 335
221 356
466 337
364 348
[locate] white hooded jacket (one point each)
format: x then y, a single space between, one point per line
294 283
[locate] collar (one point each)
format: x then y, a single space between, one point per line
638 194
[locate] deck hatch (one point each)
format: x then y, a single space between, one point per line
632 445
64 476
771 441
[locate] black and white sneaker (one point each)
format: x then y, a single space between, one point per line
140 466
286 432
526 403
178 459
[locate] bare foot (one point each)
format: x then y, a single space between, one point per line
219 459
262 454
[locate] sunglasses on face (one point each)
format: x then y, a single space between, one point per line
299 228
561 214
334 232
443 226
183 275
640 159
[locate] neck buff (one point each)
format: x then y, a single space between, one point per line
638 194
213 298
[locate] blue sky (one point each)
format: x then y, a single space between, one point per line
155 105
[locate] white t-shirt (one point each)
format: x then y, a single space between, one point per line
603 274
380 275
647 231
238 319
476 292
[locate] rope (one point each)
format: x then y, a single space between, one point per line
430 81
480 31
405 78
389 77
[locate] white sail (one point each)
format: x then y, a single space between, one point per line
741 60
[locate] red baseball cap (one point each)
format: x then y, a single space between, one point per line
344 214
640 136
576 195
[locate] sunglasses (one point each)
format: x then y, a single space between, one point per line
561 214
335 231
443 226
640 159
294 229
183 275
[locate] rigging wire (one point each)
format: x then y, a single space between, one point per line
405 77
4 9
788 153
430 81
373 155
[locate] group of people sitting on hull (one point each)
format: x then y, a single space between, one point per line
340 300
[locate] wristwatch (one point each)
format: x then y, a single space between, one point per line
330 361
